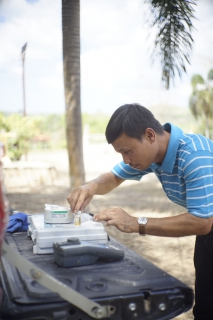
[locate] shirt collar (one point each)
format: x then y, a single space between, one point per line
174 140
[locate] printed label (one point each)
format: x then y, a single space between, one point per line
59 214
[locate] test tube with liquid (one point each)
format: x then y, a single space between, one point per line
77 218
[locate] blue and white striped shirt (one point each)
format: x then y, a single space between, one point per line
186 173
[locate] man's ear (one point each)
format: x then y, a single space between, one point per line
150 134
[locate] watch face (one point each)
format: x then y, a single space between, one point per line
142 220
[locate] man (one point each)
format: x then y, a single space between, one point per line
183 164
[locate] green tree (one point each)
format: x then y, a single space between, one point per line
21 130
201 99
97 122
173 43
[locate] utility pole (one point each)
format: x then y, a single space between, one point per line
23 52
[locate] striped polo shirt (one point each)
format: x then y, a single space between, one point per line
186 173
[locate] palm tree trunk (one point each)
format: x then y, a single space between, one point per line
71 61
206 126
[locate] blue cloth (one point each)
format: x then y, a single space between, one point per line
186 172
17 222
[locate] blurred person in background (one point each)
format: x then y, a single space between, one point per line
4 205
183 163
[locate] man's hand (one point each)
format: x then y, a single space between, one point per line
119 218
80 197
178 226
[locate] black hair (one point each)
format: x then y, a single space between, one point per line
133 120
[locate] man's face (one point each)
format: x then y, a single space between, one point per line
138 154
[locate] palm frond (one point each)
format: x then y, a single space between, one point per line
174 40
210 75
196 80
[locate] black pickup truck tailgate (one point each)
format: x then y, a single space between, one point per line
134 286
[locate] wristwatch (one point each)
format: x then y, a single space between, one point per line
142 221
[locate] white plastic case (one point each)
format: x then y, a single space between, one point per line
44 234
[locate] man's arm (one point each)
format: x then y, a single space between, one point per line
81 196
178 226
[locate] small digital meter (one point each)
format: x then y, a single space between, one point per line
73 253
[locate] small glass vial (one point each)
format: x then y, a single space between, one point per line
77 218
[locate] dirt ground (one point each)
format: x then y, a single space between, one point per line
174 255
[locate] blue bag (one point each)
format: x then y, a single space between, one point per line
17 222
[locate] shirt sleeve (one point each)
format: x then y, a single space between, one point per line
126 172
198 172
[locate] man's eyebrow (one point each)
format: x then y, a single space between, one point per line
121 150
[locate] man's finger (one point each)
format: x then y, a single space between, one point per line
86 201
73 198
111 223
104 216
80 201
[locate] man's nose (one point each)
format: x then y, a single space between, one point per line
126 159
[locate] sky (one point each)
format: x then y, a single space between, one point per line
115 56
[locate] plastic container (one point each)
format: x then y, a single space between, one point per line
44 234
57 214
